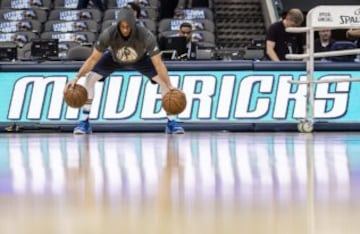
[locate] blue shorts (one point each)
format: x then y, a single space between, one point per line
106 65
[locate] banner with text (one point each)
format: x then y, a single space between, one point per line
211 96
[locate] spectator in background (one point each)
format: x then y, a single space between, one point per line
97 3
279 42
354 34
167 8
324 42
186 31
136 8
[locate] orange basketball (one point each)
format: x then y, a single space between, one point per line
76 96
174 102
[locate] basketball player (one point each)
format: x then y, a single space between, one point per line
124 45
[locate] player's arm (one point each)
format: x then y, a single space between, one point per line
86 67
154 53
100 46
89 63
161 69
270 50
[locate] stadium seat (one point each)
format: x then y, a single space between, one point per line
195 13
148 23
199 35
174 24
20 26
146 13
81 37
27 14
64 47
71 26
20 38
343 45
71 15
253 54
78 53
142 3
68 4
26 4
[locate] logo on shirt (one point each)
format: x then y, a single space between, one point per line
126 54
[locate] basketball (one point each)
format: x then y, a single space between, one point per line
174 102
76 96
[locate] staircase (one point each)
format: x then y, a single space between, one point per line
238 22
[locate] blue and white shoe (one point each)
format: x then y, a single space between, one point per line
173 127
83 128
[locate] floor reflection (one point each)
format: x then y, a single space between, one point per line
213 182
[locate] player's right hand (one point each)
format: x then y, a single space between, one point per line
71 84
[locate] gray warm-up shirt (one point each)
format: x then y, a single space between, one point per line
141 41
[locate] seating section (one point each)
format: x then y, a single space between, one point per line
71 14
24 20
23 14
238 23
71 26
26 4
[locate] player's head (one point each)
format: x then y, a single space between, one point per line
126 22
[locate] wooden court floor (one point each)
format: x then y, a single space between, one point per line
200 182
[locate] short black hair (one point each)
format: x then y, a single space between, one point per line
186 24
135 7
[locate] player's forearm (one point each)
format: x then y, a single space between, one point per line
161 70
86 67
163 74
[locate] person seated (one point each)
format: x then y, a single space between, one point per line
185 30
324 42
279 42
354 34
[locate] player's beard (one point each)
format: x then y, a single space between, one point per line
127 37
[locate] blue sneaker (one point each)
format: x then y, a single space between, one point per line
173 127
83 128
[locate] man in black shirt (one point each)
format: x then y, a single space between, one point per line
279 42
